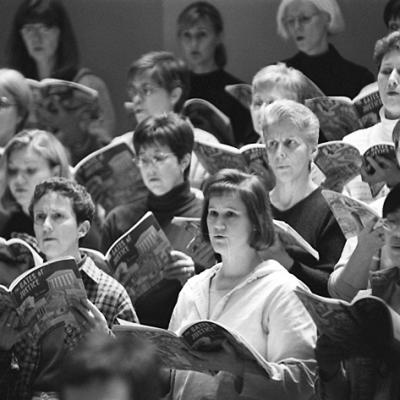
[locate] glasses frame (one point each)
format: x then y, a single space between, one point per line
156 160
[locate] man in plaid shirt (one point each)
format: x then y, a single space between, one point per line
62 212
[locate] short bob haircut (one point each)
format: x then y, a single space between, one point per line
101 358
81 201
50 13
288 79
391 11
254 196
392 201
385 45
296 114
166 70
15 84
336 23
168 129
202 10
43 143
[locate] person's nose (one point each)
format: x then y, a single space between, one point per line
280 151
47 224
20 177
394 79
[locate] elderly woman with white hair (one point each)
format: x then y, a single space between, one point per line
310 23
290 132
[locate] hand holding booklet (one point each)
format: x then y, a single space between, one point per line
351 214
340 162
137 258
43 297
203 346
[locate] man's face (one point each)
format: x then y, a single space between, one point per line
114 389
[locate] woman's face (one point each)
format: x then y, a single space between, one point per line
389 84
9 117
25 169
307 26
263 94
228 224
56 228
289 154
198 46
150 99
41 40
160 168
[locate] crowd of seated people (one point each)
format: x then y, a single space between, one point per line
252 288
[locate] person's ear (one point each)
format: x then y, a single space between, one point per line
83 229
185 161
313 152
327 18
176 95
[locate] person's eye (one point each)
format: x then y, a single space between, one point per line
290 143
39 218
212 213
57 216
186 35
147 90
385 71
230 214
257 103
271 144
31 171
304 19
394 27
12 171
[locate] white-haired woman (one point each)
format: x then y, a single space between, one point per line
290 132
310 23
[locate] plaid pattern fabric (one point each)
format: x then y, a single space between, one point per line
103 291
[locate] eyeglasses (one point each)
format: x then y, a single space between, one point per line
30 29
157 160
55 217
143 91
301 19
390 226
5 102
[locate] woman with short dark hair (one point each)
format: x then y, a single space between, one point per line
252 296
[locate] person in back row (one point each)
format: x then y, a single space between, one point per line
42 44
158 82
291 137
310 24
200 34
163 146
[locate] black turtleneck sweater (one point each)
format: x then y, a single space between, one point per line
154 307
211 87
333 74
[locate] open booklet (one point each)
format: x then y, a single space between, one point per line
339 116
242 92
42 297
185 235
340 162
111 176
206 116
251 158
291 239
136 259
351 214
200 347
366 322
51 93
